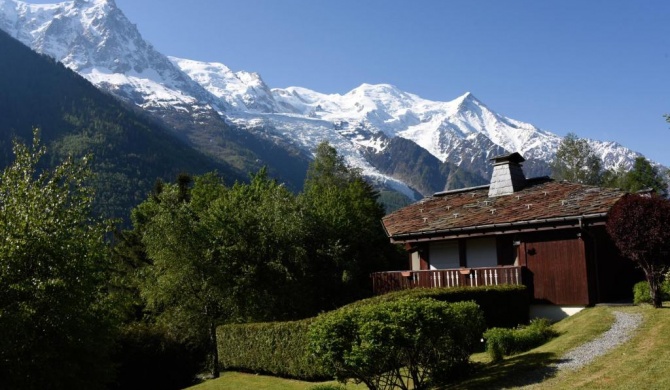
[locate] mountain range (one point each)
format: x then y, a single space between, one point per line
403 143
130 149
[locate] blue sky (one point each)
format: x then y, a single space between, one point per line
600 69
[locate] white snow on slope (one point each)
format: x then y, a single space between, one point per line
94 38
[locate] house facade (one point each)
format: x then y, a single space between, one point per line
548 235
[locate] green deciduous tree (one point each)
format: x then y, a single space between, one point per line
221 255
259 230
184 285
640 227
207 254
346 240
403 344
576 161
55 317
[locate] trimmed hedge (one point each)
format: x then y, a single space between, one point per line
504 306
281 348
504 342
274 348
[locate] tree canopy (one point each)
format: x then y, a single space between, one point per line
220 255
640 227
643 176
576 161
55 316
208 254
345 238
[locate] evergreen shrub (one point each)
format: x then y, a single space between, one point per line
274 348
641 293
328 386
281 348
395 343
504 306
502 342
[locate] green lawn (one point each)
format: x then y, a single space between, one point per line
643 362
239 381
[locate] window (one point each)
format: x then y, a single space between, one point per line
481 252
444 255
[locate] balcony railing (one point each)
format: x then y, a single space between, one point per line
384 282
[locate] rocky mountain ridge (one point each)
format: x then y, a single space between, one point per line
402 142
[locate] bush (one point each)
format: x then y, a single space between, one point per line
281 348
275 348
148 357
409 339
502 342
328 386
504 306
641 293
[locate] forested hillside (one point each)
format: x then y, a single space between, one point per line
130 150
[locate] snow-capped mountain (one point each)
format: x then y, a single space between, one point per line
95 39
463 131
388 133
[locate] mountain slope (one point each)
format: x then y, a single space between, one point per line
94 38
130 150
464 131
235 117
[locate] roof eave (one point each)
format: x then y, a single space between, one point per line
501 228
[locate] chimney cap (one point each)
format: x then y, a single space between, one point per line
515 158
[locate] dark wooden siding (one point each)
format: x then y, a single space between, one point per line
616 275
556 268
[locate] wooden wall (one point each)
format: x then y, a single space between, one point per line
556 267
566 267
616 275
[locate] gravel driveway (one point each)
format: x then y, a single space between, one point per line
620 332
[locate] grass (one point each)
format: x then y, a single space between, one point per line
237 381
642 362
522 369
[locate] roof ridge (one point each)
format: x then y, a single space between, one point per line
533 180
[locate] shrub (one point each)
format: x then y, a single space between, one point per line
397 342
641 293
148 357
281 348
328 386
502 342
275 348
504 306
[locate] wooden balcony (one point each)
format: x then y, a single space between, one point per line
384 282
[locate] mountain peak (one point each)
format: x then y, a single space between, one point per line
104 6
467 102
467 97
110 3
94 38
380 93
384 88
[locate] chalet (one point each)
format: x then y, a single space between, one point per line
549 235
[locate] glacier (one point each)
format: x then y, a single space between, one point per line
95 39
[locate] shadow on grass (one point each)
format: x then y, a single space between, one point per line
514 371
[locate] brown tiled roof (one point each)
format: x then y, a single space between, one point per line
540 201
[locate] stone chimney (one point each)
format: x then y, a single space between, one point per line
507 177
